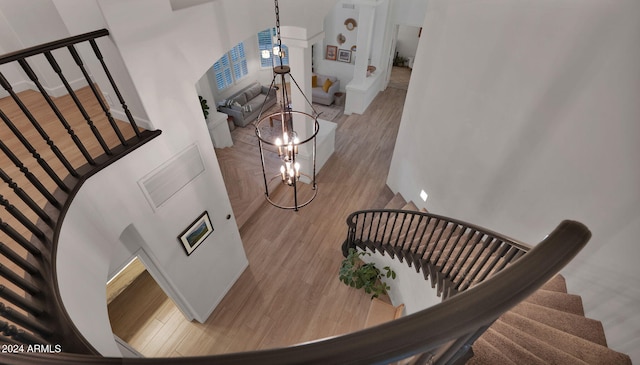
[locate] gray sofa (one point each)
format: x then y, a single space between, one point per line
244 106
318 95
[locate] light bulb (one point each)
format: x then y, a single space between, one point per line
279 144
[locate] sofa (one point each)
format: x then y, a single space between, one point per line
244 105
323 92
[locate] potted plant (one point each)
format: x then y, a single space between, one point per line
360 275
205 107
399 60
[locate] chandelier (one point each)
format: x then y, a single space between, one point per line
292 137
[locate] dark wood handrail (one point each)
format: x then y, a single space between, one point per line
50 46
519 244
420 332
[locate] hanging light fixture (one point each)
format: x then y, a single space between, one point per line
287 142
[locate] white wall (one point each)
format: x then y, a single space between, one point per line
333 25
403 287
407 40
410 12
20 30
521 115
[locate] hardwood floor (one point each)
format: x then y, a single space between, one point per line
400 77
290 293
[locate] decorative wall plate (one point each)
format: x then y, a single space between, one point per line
350 23
341 39
353 48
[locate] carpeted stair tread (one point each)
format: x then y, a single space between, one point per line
539 348
510 349
574 324
484 353
396 202
569 303
577 347
410 206
557 283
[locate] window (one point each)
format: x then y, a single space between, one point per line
239 61
265 43
235 61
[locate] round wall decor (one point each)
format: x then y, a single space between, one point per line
341 39
350 23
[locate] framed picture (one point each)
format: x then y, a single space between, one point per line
344 55
197 232
331 52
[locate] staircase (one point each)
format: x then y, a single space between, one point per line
549 327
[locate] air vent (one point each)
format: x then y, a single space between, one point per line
348 6
165 181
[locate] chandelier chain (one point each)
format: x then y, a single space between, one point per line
277 10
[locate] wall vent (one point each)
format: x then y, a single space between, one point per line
348 6
165 181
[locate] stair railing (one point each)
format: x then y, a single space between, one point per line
436 335
41 183
452 254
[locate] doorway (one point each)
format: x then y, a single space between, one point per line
138 308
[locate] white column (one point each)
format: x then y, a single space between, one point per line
366 17
300 63
361 90
299 46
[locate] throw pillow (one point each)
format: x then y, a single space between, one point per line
314 81
327 85
235 103
229 102
247 108
253 91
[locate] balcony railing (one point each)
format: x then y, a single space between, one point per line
50 146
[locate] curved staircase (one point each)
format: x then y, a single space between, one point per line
549 327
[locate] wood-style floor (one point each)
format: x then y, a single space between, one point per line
290 293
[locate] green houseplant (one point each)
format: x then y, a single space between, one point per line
205 107
357 274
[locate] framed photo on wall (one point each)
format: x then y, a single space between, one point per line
332 52
344 55
197 232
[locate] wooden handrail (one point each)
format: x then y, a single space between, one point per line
458 317
50 46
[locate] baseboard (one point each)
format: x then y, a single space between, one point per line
224 294
121 115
